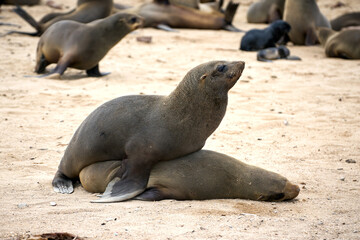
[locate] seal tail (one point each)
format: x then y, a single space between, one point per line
28 18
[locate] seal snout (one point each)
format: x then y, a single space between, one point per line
291 191
236 69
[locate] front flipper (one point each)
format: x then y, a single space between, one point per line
94 72
151 194
62 184
129 181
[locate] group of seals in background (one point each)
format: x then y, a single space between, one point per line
305 19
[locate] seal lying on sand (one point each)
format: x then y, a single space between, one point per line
345 20
79 45
85 12
265 11
343 44
141 130
274 53
304 16
198 176
257 39
162 14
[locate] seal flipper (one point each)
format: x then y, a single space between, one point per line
95 72
311 38
29 19
119 190
151 194
62 184
129 181
166 28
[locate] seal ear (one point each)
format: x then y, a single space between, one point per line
203 78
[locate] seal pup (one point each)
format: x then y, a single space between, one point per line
257 39
275 53
304 16
198 176
161 14
343 44
346 20
141 130
85 12
68 43
265 11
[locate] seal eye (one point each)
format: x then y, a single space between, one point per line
133 20
221 68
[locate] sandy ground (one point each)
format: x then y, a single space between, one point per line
318 97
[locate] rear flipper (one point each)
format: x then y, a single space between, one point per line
94 72
151 194
130 180
62 184
230 12
29 19
296 58
166 28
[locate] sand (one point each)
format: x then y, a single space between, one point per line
300 119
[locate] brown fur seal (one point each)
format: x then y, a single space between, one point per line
142 130
68 43
343 44
163 15
265 11
85 12
346 20
198 176
304 16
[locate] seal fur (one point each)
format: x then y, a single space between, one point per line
304 16
199 176
67 43
344 44
141 130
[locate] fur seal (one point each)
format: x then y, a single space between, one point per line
67 43
343 44
198 176
141 130
304 16
257 39
265 11
85 12
274 53
346 20
162 14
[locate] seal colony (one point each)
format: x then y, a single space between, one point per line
142 130
198 176
68 43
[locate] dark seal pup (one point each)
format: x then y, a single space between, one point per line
265 11
346 20
198 176
78 45
304 16
257 39
142 130
344 44
85 12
